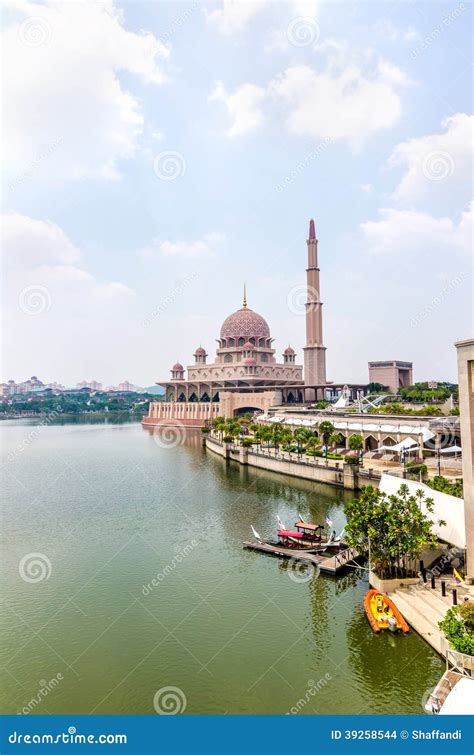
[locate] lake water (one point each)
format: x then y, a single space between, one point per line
109 508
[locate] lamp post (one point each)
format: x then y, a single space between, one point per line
403 461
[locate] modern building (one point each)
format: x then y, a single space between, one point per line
127 387
465 352
392 374
93 385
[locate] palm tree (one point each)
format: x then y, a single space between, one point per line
336 439
356 442
326 429
219 425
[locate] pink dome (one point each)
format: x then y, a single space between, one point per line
245 323
178 367
250 362
289 351
248 346
200 352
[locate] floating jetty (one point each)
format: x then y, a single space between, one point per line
328 564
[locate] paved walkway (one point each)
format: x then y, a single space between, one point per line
424 607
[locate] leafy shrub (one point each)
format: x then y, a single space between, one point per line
458 628
443 485
415 467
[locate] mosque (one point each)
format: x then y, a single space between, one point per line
246 375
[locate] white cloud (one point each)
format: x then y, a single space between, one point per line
62 82
437 161
353 97
208 246
404 232
342 102
234 15
38 252
366 188
243 106
63 323
393 33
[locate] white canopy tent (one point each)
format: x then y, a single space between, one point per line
451 450
408 444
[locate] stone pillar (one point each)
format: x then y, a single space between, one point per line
465 351
351 476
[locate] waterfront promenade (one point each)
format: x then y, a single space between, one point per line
341 474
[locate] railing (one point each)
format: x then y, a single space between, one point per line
462 663
346 555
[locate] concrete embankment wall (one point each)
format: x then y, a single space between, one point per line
342 475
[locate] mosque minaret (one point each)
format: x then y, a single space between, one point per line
314 351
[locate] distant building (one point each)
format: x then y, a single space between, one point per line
126 386
27 386
93 385
392 374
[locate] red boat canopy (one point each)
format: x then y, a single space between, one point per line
289 533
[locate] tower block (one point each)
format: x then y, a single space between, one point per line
314 351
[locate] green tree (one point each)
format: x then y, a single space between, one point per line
336 439
376 388
356 442
443 485
325 430
219 425
392 527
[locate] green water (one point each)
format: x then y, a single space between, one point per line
111 509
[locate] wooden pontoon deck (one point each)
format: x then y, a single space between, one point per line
328 564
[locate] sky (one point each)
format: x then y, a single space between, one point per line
159 155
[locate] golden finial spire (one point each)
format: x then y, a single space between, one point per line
245 296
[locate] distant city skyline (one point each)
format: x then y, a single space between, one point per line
33 383
166 169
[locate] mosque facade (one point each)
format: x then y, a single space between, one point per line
246 374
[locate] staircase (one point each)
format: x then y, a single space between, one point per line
423 608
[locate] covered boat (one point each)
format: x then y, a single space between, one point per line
382 613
